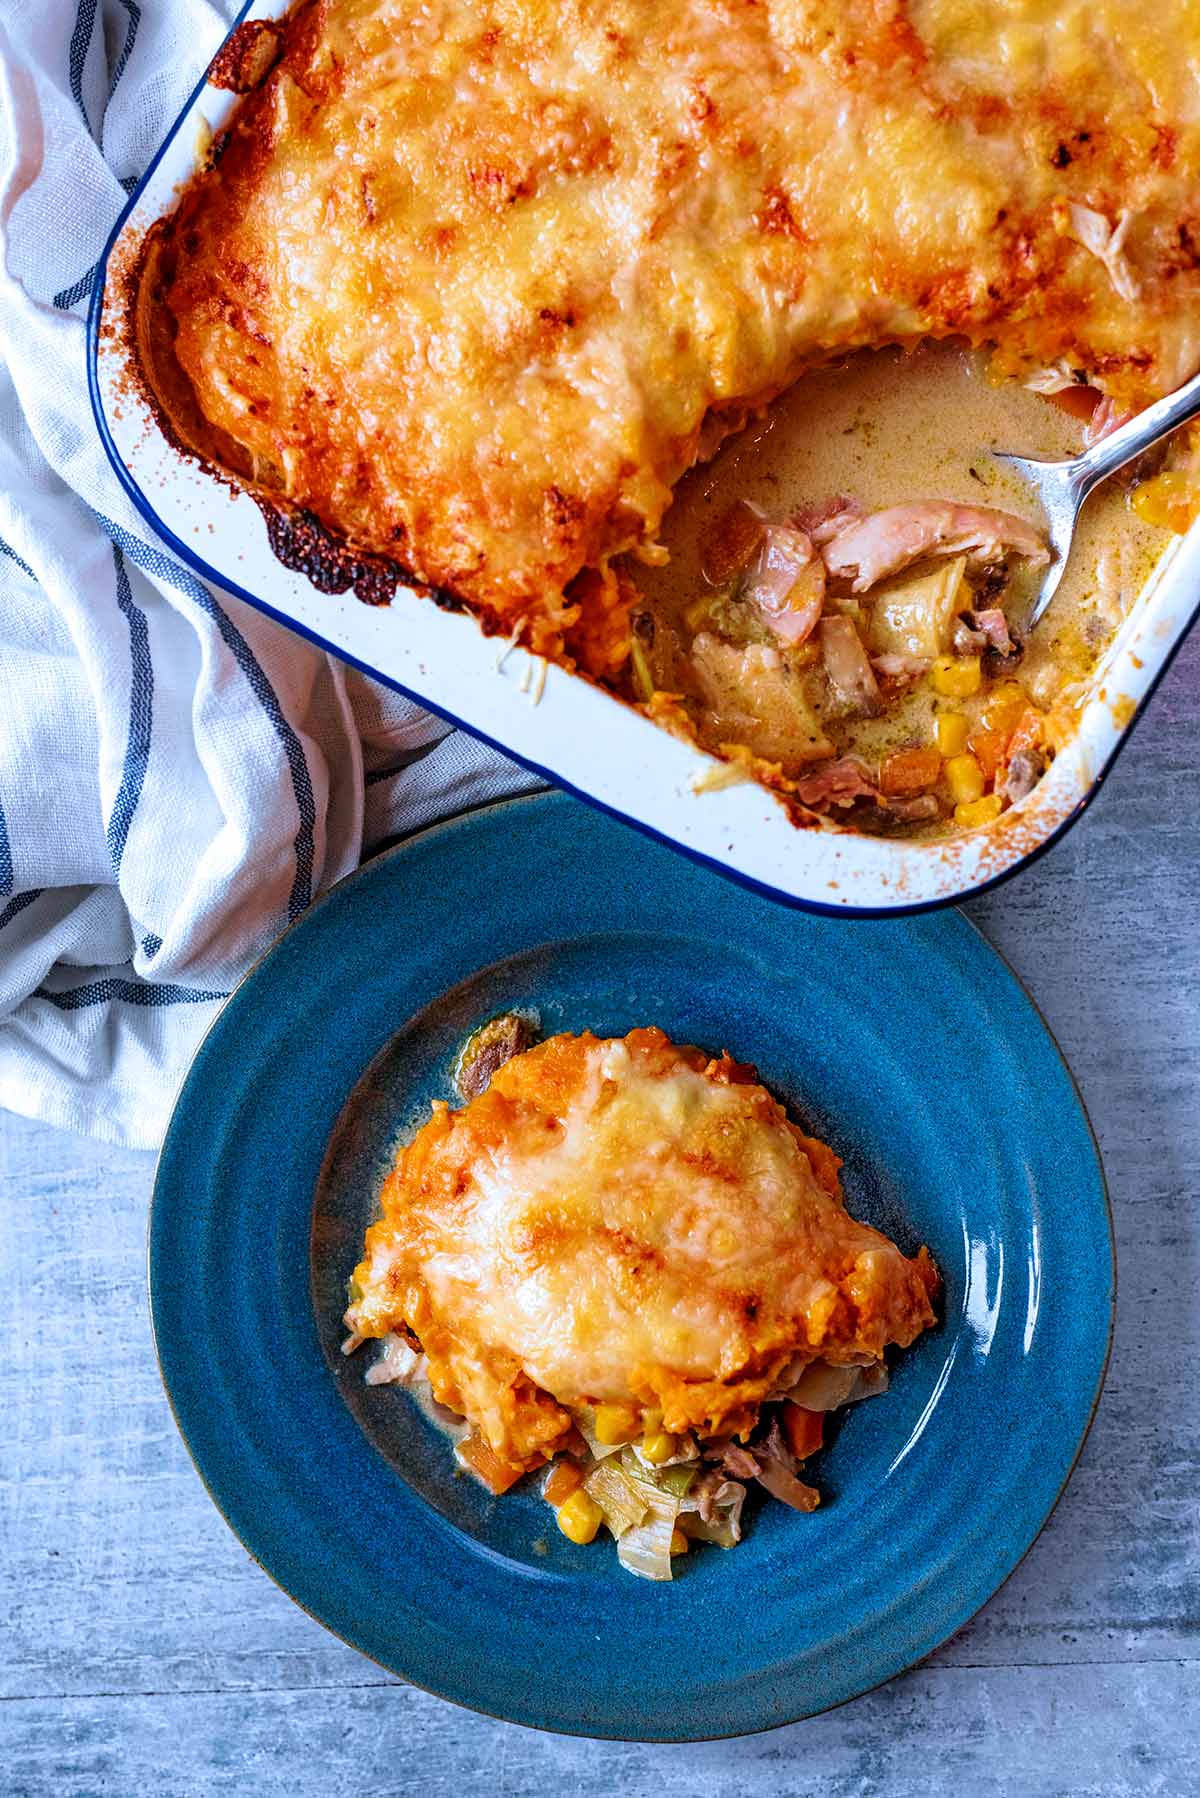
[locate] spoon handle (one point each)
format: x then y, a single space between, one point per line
1138 434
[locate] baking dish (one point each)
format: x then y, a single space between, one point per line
576 733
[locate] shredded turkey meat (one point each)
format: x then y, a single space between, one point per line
851 676
787 664
739 1462
865 552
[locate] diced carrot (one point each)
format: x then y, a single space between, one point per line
989 748
1079 402
805 1430
563 1480
497 1474
1027 733
825 1163
1003 706
909 771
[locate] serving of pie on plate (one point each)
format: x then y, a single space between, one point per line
468 289
917 1057
623 1259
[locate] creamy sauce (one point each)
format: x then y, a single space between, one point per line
885 427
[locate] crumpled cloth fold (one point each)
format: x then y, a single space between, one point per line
179 775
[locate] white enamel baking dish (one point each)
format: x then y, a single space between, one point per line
577 735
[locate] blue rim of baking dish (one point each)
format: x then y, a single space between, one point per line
742 1717
208 573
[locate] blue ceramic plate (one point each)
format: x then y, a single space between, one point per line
907 1044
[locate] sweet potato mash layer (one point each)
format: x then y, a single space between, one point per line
475 281
625 1221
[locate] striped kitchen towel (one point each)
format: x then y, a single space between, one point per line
179 776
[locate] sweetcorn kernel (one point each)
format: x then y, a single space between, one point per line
579 1517
615 1424
964 777
658 1448
679 1543
957 677
951 733
979 811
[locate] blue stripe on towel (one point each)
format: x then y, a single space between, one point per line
6 867
78 290
141 715
131 31
155 563
151 944
6 549
134 992
378 774
81 40
408 760
16 906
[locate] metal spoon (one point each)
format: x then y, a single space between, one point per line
1062 487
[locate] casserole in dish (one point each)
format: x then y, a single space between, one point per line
261 292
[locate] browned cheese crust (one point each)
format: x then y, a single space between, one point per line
629 1220
467 278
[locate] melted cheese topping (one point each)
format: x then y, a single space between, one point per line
469 278
625 1221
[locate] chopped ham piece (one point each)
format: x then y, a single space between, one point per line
850 673
787 1488
713 1489
776 1469
786 584
887 541
739 1463
822 523
993 625
985 632
1024 772
912 811
965 640
837 783
895 666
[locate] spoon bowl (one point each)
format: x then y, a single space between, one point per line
1062 487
